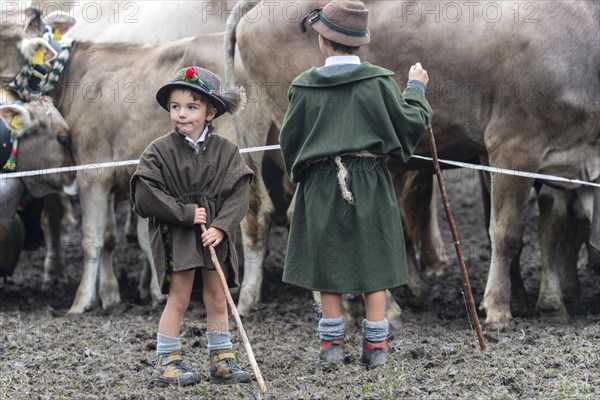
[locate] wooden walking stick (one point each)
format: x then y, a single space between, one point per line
461 260
236 315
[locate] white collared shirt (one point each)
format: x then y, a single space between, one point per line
337 60
196 145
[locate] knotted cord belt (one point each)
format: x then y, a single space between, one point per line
342 174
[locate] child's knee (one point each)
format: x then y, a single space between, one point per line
178 303
215 300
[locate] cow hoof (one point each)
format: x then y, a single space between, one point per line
395 322
519 307
497 318
595 266
79 309
435 270
501 326
570 297
111 301
158 300
244 309
47 285
52 276
553 311
559 316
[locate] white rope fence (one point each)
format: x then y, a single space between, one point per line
115 164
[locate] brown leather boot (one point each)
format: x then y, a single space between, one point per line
374 355
225 369
170 370
332 353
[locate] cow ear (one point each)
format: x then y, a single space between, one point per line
18 118
61 21
34 26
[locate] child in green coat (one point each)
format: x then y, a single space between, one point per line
343 122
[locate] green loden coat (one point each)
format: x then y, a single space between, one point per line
171 179
335 246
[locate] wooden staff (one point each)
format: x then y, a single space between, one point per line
461 260
236 315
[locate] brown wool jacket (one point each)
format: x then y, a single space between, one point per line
171 180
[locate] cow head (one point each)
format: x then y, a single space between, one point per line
44 141
18 28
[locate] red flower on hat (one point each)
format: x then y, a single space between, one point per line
191 71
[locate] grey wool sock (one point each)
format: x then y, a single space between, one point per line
332 328
375 331
218 340
167 344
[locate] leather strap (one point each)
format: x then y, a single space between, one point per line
223 356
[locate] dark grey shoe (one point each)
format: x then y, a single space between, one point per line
332 353
224 368
374 355
170 370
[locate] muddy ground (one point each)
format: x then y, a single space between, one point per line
105 354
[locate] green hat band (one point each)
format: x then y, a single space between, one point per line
336 27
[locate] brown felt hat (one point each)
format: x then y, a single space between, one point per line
341 21
206 83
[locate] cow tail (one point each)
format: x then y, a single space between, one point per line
239 10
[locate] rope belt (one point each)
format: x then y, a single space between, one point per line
342 174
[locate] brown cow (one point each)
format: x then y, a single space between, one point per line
500 88
107 97
48 131
43 142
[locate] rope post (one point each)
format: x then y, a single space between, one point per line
236 316
457 247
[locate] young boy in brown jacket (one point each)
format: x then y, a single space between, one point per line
188 177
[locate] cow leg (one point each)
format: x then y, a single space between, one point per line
255 229
519 304
484 187
579 232
393 311
131 226
51 223
509 197
412 191
109 285
12 228
585 207
559 243
433 255
416 283
148 281
145 279
593 258
94 199
550 300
